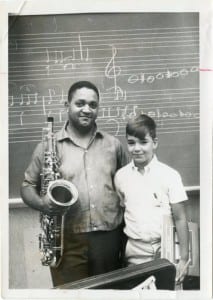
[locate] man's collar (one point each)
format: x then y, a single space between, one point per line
63 134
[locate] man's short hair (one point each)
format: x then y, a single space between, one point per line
79 85
140 125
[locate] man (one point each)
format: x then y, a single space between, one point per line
89 158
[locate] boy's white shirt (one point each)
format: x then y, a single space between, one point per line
146 198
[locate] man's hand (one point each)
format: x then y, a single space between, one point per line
50 208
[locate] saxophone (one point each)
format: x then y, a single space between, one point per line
61 192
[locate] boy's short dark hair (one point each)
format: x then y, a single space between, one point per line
140 125
81 84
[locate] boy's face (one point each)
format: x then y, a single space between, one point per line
141 150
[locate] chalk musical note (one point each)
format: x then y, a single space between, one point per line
123 111
43 105
120 94
28 99
68 59
48 69
61 115
68 63
12 100
133 113
22 100
69 66
80 47
51 94
58 57
62 97
21 118
101 112
81 50
35 98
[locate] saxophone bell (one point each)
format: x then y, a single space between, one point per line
62 193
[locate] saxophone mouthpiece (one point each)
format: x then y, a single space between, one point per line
50 119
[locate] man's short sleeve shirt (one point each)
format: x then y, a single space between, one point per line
92 171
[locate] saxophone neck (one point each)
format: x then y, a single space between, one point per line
51 142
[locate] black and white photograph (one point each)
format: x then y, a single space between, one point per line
106 153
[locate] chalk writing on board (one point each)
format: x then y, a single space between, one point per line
135 68
142 77
133 55
21 117
175 113
29 99
112 70
141 63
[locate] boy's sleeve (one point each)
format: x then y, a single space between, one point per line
177 191
118 189
123 157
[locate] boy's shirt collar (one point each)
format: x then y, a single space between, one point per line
147 167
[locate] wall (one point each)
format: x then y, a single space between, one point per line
25 270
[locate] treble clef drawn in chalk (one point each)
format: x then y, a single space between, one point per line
112 71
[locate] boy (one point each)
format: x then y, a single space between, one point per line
148 190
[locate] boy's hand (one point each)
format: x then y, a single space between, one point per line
181 270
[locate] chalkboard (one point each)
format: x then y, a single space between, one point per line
141 62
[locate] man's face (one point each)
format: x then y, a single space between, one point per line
141 150
83 108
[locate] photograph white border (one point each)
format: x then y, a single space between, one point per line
37 7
